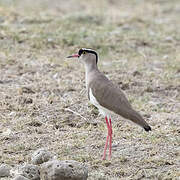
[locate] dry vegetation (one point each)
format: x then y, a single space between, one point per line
138 43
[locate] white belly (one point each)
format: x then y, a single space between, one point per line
102 110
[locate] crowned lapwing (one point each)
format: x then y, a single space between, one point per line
105 96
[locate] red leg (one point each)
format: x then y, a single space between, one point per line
110 140
107 139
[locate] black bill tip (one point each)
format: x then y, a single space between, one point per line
69 56
73 56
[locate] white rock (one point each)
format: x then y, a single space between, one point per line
40 156
63 170
19 177
30 171
4 170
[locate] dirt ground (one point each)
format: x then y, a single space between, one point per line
43 102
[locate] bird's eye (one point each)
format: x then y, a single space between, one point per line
84 52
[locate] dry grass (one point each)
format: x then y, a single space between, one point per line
139 47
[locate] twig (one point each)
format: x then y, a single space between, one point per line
142 54
67 109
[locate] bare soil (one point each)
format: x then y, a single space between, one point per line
43 102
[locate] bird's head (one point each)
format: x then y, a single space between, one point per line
86 56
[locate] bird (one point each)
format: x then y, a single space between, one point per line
103 94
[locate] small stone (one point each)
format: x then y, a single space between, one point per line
25 100
28 101
12 114
26 90
107 164
169 39
50 40
136 73
63 170
19 177
4 170
40 156
23 30
125 86
35 123
30 171
149 89
6 132
165 57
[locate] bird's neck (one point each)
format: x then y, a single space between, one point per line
90 68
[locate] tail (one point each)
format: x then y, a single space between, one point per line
136 118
